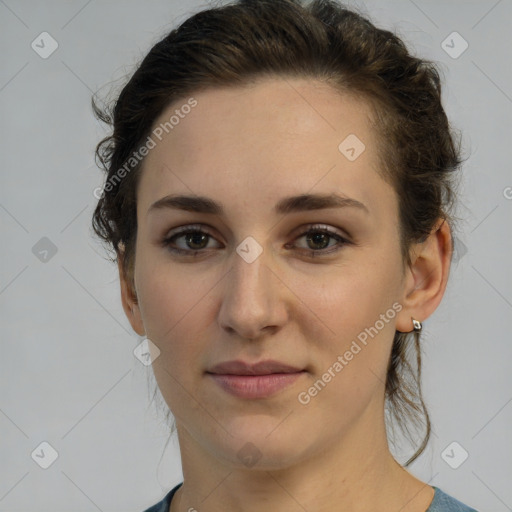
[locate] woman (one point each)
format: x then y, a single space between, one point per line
278 196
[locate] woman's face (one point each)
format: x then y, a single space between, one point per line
262 280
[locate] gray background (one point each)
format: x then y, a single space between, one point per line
68 375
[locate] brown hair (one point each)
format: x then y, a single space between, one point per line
248 39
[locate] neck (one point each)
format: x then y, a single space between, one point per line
358 473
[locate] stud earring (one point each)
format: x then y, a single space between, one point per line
416 325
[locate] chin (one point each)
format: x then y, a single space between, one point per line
260 442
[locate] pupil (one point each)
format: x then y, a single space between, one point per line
317 238
193 238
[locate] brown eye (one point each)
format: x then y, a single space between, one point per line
193 239
319 241
196 240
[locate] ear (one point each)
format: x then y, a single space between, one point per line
426 277
129 299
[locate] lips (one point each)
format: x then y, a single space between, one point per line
254 381
262 368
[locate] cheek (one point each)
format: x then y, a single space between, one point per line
350 298
352 333
174 309
172 302
176 305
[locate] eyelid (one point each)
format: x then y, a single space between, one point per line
323 227
189 227
300 231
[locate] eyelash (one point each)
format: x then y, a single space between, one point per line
311 229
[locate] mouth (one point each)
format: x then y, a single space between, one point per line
266 367
253 381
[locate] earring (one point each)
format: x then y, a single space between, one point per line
416 325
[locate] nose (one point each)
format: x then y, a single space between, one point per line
253 302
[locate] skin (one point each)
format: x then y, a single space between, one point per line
247 148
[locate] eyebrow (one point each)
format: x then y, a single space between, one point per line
303 202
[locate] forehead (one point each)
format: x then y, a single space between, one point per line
264 140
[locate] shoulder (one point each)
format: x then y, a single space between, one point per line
443 502
163 506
